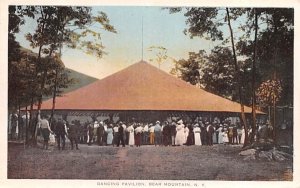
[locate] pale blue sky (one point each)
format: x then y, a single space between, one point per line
125 48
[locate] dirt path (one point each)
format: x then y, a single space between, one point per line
145 163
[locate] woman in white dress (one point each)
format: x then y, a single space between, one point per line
197 132
130 129
225 136
179 139
243 136
220 135
109 139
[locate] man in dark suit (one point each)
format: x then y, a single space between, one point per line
91 133
173 133
235 135
210 131
60 131
121 135
100 134
73 133
167 134
203 134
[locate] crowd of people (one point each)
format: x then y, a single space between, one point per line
17 125
175 133
166 133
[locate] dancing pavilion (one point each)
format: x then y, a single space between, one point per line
145 93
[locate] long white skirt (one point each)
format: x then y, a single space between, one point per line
220 138
197 139
179 139
243 137
225 137
214 138
131 138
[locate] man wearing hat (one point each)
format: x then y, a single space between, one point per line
210 131
203 133
157 133
167 134
145 134
121 135
173 132
100 134
151 130
138 130
45 129
61 131
91 133
73 133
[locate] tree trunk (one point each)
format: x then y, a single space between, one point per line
275 75
30 117
238 78
19 121
274 121
54 95
26 125
253 77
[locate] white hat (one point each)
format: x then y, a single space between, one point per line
180 121
157 122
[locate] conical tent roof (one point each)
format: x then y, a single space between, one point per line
142 86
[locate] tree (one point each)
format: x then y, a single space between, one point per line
274 51
74 27
262 33
16 19
160 54
189 70
218 74
207 22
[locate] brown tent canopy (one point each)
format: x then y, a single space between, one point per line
143 87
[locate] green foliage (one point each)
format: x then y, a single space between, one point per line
72 26
274 49
189 70
218 74
203 22
160 53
